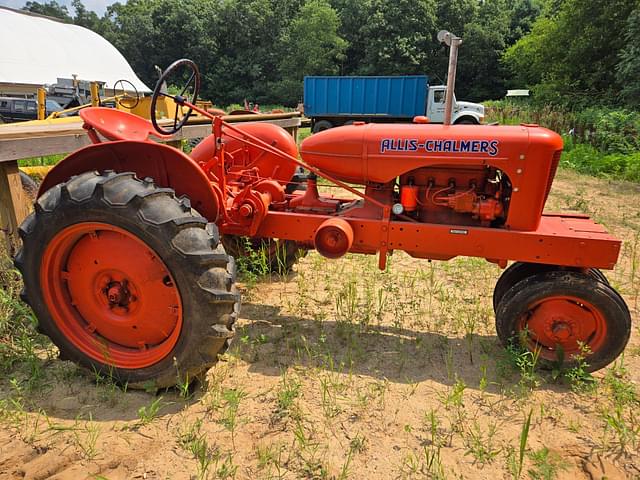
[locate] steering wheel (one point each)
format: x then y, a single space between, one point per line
123 98
189 93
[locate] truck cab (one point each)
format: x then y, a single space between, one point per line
463 112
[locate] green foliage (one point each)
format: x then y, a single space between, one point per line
570 56
546 464
50 9
569 52
397 33
612 131
587 159
311 46
628 69
261 49
19 341
603 141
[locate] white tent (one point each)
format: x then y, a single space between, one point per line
38 50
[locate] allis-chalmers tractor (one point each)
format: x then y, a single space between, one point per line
124 265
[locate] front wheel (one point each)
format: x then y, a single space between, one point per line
127 280
565 316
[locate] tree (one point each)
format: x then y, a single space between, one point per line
131 30
454 16
310 46
50 9
399 34
85 18
523 14
628 68
353 15
481 75
571 53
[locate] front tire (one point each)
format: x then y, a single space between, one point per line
518 271
565 316
127 280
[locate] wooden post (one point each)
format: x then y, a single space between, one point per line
14 206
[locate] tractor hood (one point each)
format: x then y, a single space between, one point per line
379 153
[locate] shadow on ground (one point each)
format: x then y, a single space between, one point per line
273 342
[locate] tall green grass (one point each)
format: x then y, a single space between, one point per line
41 161
598 141
585 158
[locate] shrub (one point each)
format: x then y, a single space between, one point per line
611 131
587 159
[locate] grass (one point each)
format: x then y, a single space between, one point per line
344 371
41 161
597 142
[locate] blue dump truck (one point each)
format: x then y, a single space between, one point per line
334 101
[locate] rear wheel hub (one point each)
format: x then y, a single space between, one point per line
111 295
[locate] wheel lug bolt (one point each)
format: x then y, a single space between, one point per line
561 330
115 293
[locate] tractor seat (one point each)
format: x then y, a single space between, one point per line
118 125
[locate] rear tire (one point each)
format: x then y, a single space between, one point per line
127 280
554 312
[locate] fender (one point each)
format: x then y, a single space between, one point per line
167 166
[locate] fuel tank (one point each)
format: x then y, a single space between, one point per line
363 153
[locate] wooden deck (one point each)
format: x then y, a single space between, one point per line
18 141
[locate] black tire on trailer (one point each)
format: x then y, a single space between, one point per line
554 312
29 186
281 255
322 125
127 280
518 271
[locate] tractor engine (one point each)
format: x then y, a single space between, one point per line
454 195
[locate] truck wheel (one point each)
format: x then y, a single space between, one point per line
557 312
127 280
322 125
466 121
278 256
518 271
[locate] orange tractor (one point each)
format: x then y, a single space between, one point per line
126 258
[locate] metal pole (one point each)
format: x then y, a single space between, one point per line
451 77
95 94
42 103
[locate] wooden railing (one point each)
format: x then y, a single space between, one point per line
20 141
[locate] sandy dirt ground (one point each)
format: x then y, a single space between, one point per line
342 371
